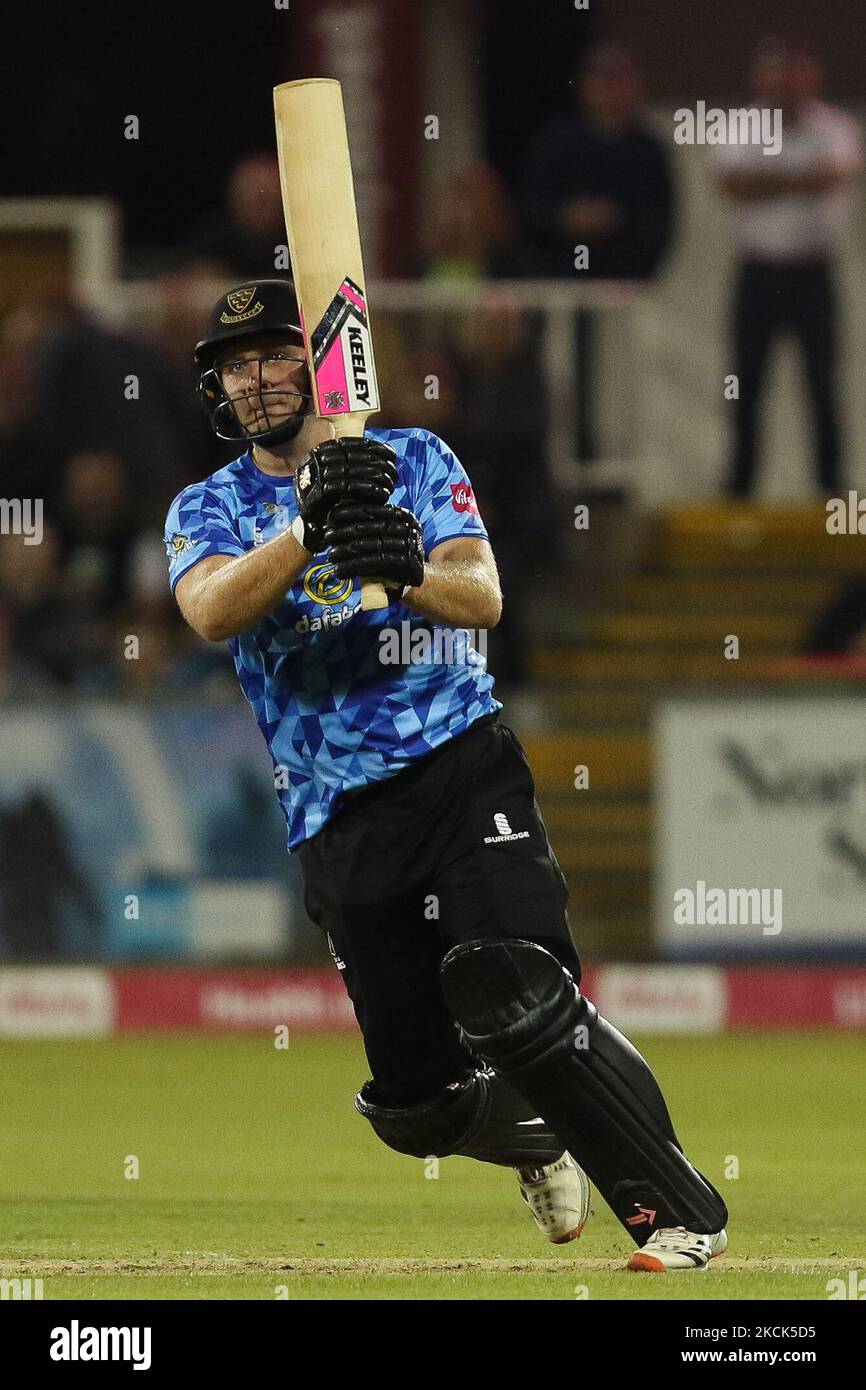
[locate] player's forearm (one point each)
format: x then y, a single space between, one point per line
237 595
461 593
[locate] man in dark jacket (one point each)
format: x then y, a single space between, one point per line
599 178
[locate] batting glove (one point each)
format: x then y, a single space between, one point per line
377 542
340 471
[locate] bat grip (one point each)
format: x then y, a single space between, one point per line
373 595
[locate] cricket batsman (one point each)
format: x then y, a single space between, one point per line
409 803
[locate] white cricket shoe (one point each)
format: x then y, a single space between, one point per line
558 1197
674 1248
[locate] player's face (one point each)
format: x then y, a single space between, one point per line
266 382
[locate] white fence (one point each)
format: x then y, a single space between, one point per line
618 368
662 354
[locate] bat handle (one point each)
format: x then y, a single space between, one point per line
373 595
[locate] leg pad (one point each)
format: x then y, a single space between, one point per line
521 1012
478 1117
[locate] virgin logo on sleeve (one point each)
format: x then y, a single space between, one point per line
463 499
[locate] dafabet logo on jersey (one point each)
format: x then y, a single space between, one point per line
323 586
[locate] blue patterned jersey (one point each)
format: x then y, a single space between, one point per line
339 709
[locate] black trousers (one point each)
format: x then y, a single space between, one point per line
451 849
771 299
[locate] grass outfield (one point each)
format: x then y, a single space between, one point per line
258 1180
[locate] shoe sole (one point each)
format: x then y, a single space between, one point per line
572 1235
650 1264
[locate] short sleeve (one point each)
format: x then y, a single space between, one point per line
196 526
444 501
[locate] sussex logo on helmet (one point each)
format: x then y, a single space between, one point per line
239 301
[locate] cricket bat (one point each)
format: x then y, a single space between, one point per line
325 250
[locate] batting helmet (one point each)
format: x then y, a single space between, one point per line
257 309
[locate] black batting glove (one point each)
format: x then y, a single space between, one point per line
340 471
377 542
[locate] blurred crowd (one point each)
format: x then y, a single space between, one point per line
103 425
98 431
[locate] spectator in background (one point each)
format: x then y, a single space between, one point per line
24 467
473 234
498 431
489 405
21 678
179 294
69 604
48 907
107 571
242 243
110 568
789 209
599 177
98 575
97 389
96 529
492 407
38 618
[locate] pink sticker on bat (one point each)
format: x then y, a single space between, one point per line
332 389
342 357
348 290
